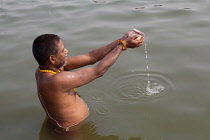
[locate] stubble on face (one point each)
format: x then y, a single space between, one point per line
60 53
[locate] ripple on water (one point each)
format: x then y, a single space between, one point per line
103 111
95 96
133 87
99 1
96 99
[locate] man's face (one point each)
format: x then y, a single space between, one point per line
61 56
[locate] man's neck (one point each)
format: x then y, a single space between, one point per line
49 68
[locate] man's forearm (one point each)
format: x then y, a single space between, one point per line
109 59
99 53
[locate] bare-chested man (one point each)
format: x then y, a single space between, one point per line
56 86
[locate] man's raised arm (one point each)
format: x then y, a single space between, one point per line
91 57
86 75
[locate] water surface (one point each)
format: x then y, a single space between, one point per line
177 38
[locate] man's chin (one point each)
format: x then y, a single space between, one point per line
62 65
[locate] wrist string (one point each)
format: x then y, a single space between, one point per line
123 44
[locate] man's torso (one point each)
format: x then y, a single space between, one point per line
62 105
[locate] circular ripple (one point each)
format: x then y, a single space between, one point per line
94 95
103 111
97 98
99 1
137 87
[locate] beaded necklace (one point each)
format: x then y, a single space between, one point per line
49 71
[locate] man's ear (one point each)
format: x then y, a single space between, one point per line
52 59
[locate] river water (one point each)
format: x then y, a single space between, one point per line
176 65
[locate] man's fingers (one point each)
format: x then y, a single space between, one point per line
141 41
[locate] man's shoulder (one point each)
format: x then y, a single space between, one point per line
62 77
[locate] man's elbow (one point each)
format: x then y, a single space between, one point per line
101 72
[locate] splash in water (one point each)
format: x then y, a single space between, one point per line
153 89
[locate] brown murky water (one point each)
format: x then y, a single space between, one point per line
177 61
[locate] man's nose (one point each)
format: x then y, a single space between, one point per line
66 51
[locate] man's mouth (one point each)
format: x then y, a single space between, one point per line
66 56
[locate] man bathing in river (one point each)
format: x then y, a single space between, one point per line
56 86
